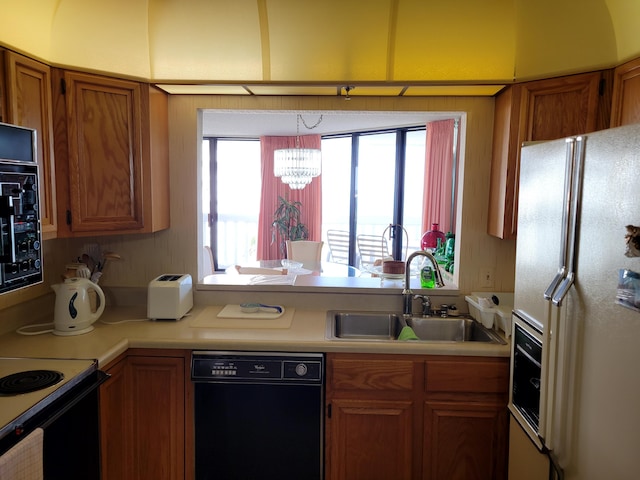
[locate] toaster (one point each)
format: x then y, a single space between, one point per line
169 297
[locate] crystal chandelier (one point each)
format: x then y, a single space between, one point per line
298 166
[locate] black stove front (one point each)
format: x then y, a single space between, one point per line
69 417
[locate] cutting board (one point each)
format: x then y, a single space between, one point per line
232 317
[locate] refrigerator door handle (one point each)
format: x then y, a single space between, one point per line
574 223
566 219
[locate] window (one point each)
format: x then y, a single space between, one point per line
381 162
231 198
370 180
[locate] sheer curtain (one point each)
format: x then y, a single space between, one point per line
272 187
438 175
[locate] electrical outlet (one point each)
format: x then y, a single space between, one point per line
487 275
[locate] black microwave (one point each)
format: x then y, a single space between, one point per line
20 235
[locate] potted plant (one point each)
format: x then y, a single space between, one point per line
286 223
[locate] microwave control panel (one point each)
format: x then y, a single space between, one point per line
20 238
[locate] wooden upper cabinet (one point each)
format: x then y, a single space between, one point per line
105 153
560 107
625 108
534 111
28 104
113 135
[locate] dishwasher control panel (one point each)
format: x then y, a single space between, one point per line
257 367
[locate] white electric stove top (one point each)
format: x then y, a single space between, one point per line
14 406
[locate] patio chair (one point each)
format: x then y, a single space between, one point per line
338 241
372 250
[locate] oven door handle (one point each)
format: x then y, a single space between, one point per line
100 378
521 350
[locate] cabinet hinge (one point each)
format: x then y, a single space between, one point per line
68 217
63 86
601 86
329 411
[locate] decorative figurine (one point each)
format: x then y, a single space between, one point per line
633 241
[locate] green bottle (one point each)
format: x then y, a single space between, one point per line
426 277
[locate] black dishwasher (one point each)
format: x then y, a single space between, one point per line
258 415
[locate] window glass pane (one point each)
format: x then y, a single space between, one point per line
336 184
375 190
375 184
206 193
414 187
238 201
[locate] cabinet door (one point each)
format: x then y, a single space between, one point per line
625 107
561 107
28 85
370 440
465 418
115 432
157 417
105 153
534 111
504 164
464 441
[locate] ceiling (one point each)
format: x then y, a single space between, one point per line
301 47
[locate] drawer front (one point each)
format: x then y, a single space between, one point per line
475 376
356 374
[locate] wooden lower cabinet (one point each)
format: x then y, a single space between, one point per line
416 417
464 440
142 416
371 439
114 415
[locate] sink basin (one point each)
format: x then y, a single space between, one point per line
452 330
365 326
379 326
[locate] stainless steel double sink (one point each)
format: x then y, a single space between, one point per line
378 326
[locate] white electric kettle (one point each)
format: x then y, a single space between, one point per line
72 313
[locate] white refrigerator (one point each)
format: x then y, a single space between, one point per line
576 267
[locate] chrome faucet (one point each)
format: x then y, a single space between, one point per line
406 292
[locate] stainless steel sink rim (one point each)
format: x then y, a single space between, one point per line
386 326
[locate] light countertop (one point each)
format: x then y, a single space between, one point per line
306 333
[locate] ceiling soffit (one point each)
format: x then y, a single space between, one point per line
410 44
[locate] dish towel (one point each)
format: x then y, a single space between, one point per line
24 460
407 333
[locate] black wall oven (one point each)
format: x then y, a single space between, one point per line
525 394
20 239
